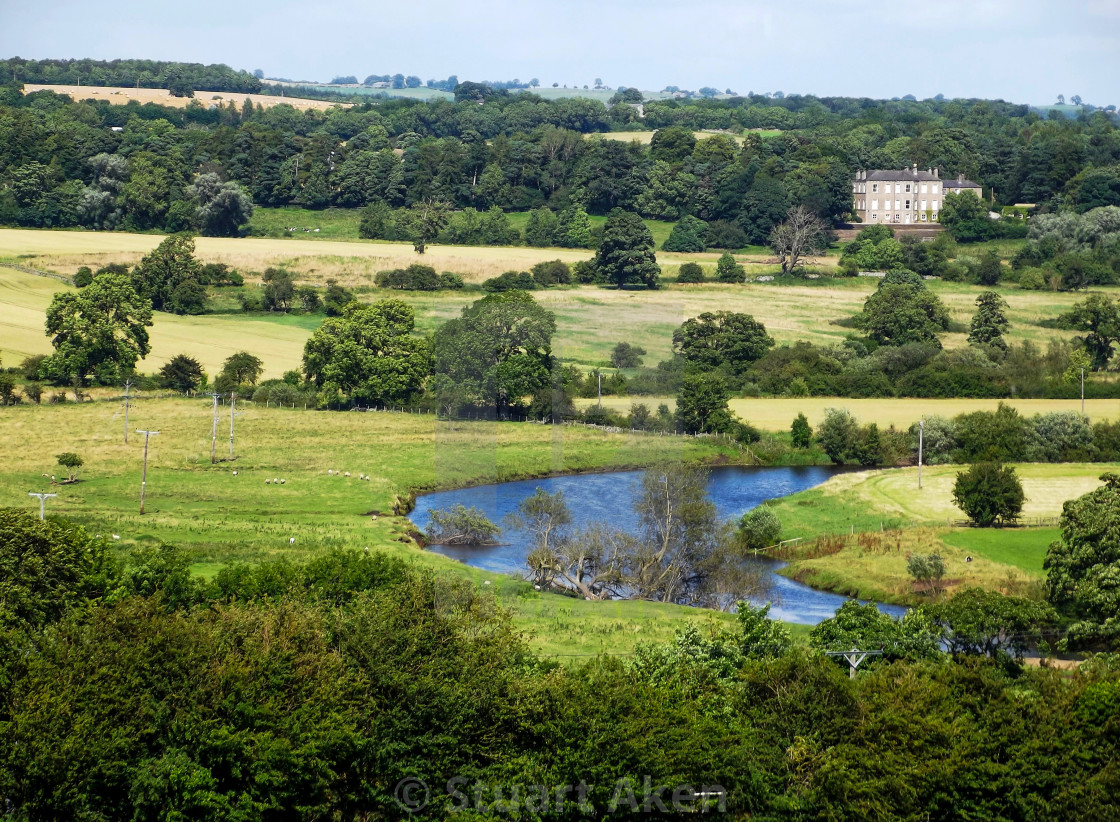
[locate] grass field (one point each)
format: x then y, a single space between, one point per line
884 517
210 339
868 500
121 95
645 137
223 517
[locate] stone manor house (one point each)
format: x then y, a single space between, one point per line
904 197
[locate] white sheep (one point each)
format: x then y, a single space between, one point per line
347 474
235 473
275 481
282 481
291 540
268 482
329 472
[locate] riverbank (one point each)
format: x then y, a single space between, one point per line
857 529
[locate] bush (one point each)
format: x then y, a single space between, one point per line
510 281
690 273
450 282
417 277
29 368
625 355
801 434
989 493
689 235
1032 279
83 277
758 529
927 570
552 272
71 462
8 395
729 271
34 392
939 440
725 234
838 435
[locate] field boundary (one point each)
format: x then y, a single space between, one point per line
36 272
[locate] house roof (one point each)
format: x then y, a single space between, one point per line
905 174
909 175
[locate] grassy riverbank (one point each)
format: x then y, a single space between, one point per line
871 521
224 517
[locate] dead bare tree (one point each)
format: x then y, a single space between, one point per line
801 235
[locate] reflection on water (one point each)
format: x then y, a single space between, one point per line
610 498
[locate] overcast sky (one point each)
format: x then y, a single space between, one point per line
1019 50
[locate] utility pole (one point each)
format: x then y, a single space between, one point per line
214 430
42 502
144 475
1083 391
600 376
232 399
855 658
127 386
921 443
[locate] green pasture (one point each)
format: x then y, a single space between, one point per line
223 517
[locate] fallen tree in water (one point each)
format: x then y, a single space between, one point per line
460 525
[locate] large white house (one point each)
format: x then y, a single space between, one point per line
905 196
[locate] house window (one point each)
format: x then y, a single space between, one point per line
907 203
923 216
875 204
874 187
874 216
897 205
925 188
907 188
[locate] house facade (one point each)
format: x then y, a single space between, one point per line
904 197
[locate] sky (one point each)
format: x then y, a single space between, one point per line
1025 51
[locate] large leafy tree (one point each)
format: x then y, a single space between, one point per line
169 276
221 208
1098 318
100 331
368 354
903 312
1081 569
625 254
182 373
725 339
989 493
702 404
496 353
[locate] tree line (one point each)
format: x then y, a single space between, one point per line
521 153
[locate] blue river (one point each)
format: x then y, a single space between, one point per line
609 497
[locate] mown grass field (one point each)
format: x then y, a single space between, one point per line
210 338
883 517
867 500
224 517
121 95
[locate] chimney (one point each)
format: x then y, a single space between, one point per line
937 172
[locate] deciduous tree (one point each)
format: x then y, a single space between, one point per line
100 331
625 255
368 354
801 234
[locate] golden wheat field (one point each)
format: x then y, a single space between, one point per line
121 95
